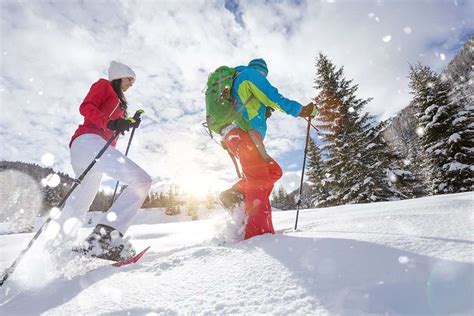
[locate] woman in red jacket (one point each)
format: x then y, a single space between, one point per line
104 110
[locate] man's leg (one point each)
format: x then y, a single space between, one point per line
258 183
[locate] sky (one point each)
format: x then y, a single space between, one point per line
53 51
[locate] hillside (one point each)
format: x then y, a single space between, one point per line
401 130
392 258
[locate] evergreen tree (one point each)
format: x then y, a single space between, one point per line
397 175
316 175
354 170
441 140
279 198
460 165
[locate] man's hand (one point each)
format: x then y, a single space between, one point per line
269 112
309 110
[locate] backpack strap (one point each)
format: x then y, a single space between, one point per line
261 149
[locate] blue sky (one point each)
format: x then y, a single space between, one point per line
51 52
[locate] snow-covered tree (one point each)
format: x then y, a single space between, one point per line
352 145
445 127
459 168
282 200
316 175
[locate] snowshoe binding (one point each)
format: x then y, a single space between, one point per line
105 242
231 198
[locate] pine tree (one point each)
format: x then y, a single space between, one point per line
441 141
354 170
316 175
279 198
397 175
460 165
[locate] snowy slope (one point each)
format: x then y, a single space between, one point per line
394 258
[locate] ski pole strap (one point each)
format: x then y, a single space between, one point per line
258 144
236 166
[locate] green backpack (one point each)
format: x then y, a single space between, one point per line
219 109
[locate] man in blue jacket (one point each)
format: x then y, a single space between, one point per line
256 98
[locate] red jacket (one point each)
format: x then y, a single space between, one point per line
99 107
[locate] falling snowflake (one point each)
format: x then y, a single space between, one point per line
112 217
387 38
54 213
420 131
351 109
442 56
403 259
52 180
40 92
407 30
31 79
47 159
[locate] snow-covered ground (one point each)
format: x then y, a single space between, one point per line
395 258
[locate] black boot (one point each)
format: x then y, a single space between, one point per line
106 242
231 198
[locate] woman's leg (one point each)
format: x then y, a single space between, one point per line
137 181
83 151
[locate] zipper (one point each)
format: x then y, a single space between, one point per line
115 108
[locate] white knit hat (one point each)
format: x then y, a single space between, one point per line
118 71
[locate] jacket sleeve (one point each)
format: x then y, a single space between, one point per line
261 89
90 107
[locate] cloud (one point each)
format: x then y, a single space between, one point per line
51 53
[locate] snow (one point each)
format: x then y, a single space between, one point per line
52 180
386 38
454 138
453 166
420 131
391 258
47 160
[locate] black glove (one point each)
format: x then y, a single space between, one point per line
120 125
309 110
269 112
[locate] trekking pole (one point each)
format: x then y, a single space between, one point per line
136 116
77 181
315 128
298 204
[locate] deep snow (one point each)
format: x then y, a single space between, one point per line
393 258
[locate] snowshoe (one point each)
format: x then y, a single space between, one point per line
231 198
105 242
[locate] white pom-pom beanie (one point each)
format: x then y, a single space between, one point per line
118 71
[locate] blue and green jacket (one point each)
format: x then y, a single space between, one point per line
253 93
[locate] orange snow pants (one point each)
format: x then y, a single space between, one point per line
260 174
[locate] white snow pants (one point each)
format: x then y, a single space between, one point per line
114 164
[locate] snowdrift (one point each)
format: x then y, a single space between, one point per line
397 258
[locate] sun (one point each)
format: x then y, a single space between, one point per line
198 185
